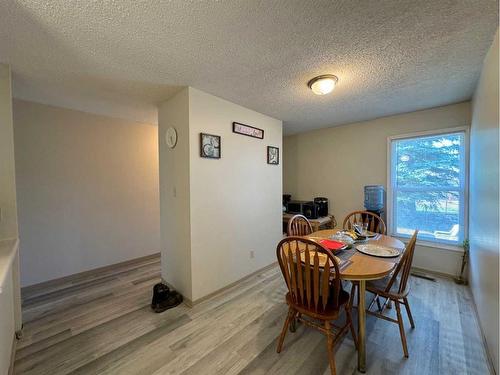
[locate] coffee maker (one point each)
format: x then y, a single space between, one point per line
286 199
322 204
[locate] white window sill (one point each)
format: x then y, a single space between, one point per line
437 245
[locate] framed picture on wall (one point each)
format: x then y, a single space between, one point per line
273 155
248 130
210 146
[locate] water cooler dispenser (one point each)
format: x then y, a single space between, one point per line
375 200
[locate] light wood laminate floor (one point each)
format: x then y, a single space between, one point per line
102 324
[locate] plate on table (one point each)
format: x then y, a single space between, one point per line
369 234
361 232
378 250
322 258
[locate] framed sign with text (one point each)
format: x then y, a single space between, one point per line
248 130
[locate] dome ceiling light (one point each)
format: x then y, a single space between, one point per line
322 85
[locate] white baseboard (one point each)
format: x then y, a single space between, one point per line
190 303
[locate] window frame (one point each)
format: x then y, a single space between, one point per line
391 174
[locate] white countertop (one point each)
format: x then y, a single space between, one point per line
8 251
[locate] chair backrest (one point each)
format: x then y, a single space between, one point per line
375 222
311 273
298 225
404 266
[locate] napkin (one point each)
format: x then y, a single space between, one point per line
332 245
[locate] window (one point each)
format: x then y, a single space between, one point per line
428 186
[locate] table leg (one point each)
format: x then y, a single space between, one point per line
361 327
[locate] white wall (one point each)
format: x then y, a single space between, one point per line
87 190
233 203
10 294
235 200
338 162
8 219
174 194
484 200
7 327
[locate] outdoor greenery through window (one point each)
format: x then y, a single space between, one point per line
428 187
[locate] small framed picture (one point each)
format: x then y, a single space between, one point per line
273 155
210 146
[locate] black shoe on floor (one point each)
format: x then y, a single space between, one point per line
173 299
160 293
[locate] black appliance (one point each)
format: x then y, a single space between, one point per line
286 198
295 207
322 206
310 210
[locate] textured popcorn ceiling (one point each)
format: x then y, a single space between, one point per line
122 57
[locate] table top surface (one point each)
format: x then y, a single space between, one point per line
366 267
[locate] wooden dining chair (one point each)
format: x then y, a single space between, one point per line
375 223
394 288
298 225
315 296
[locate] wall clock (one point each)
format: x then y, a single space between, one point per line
171 137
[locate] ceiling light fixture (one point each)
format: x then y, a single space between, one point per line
322 85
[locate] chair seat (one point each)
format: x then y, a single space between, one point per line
378 286
331 311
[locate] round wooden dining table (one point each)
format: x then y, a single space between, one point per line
361 268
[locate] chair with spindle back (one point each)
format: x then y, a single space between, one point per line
299 226
395 288
315 296
375 222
